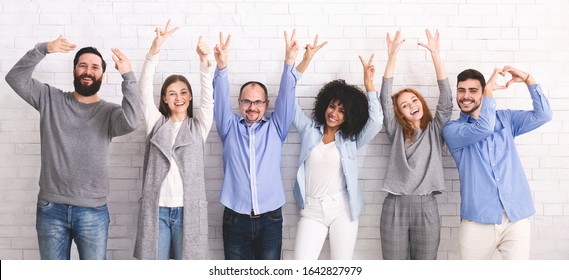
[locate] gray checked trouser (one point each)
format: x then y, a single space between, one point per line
410 227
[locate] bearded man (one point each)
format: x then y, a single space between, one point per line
76 129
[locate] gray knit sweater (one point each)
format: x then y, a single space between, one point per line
417 169
75 137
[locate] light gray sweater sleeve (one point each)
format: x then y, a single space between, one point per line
444 107
389 121
20 77
127 118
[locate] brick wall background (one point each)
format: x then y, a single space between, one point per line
529 34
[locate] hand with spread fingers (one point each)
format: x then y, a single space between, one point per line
221 51
393 46
60 45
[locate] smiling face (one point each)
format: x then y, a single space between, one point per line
88 74
469 96
410 107
253 103
334 115
177 97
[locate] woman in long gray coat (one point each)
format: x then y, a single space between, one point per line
172 221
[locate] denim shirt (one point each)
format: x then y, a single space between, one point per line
492 178
311 134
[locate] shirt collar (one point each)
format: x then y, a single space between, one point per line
466 118
243 121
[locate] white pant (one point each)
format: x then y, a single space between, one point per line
323 215
479 241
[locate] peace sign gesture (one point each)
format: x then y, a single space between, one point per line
309 54
221 50
369 72
291 48
161 36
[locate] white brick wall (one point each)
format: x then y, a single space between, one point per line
529 34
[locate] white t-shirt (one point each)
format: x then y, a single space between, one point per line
324 176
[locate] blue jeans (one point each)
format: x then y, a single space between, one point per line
249 237
170 233
58 225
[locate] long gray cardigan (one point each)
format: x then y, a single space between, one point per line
188 152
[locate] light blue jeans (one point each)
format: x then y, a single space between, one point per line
170 233
58 225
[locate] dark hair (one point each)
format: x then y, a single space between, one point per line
163 108
471 74
407 127
354 101
254 83
89 50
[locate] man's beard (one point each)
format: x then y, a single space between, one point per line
85 90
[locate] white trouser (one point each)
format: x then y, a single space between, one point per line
323 215
479 241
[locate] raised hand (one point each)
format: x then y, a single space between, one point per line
310 51
434 46
122 63
518 76
221 50
60 45
394 45
203 50
161 36
369 72
433 42
491 84
291 48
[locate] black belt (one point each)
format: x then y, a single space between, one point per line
252 215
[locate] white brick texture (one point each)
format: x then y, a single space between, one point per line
531 35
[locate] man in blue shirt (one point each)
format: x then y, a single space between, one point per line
496 199
252 189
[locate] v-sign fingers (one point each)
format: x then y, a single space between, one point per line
370 62
362 61
227 42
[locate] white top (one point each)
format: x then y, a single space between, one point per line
324 171
172 192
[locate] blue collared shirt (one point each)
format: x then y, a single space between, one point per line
311 134
252 154
492 178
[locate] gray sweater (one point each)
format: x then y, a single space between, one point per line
188 152
417 169
75 137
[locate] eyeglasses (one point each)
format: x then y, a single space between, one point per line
248 102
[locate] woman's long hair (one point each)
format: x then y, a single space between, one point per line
407 126
354 101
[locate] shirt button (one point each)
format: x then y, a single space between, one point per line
493 164
498 179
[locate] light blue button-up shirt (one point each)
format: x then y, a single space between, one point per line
492 179
311 134
252 154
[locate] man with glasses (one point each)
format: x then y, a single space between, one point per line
252 190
